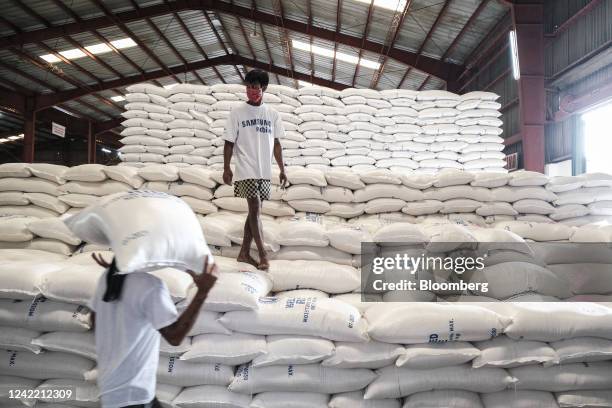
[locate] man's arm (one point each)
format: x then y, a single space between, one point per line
278 156
228 149
177 331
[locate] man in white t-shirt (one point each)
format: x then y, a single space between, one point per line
129 313
252 135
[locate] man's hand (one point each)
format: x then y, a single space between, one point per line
206 280
228 176
283 179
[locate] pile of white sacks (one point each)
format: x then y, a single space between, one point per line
300 335
359 128
256 345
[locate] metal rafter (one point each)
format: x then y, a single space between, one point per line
75 81
263 34
31 12
172 47
60 74
396 24
458 37
279 15
338 23
430 65
133 36
228 36
220 39
363 40
44 101
312 66
195 43
440 16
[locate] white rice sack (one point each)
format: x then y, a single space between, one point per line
284 350
396 323
437 355
303 232
299 378
582 350
355 400
81 344
14 338
210 396
558 321
100 189
29 185
321 275
537 231
393 382
371 355
290 400
569 377
173 371
15 170
234 349
446 398
326 318
512 194
51 364
348 238
44 315
595 398
528 178
308 253
504 352
519 399
345 210
206 323
234 291
72 284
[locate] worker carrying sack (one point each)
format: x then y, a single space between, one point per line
146 230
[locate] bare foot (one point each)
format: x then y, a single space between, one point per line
247 259
264 265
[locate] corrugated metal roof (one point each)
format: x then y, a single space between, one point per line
417 24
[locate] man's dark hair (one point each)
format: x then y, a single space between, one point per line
257 76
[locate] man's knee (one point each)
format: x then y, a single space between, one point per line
254 206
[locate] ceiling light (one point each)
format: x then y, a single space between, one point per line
13 138
387 4
72 54
50 58
118 98
98 48
105 150
516 72
123 43
170 86
304 83
326 52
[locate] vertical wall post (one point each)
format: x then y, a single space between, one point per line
91 143
528 19
29 132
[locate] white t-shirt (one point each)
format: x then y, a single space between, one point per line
253 129
127 338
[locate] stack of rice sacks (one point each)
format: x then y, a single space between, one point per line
301 331
402 130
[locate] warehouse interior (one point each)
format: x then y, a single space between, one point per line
455 45
305 204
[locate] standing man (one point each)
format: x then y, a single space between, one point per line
129 313
252 132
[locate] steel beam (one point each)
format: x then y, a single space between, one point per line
528 19
575 17
91 143
29 132
45 101
430 65
195 43
211 25
263 34
338 23
394 29
441 15
363 40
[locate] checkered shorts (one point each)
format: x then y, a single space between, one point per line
252 188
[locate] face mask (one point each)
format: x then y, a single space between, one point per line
254 95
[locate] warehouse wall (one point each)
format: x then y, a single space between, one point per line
574 66
494 73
